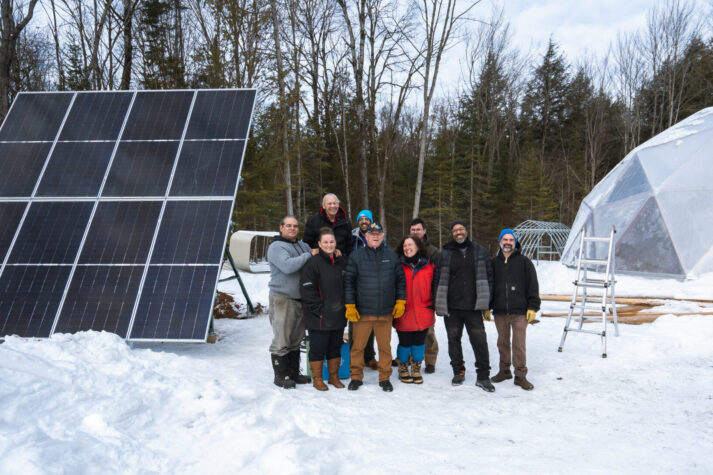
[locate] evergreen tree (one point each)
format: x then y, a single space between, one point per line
163 66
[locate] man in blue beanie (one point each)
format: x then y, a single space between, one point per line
515 302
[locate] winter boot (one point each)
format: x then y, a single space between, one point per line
416 372
501 376
458 375
404 375
430 369
295 369
386 385
282 372
354 384
333 368
317 381
524 383
485 385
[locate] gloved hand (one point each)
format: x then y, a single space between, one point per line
531 314
399 309
486 315
352 314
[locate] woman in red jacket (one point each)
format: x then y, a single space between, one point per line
419 316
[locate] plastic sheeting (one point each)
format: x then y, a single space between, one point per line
659 198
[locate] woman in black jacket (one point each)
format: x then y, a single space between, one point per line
322 292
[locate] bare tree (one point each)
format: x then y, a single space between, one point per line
282 98
439 19
628 79
355 39
10 30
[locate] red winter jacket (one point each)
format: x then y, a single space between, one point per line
419 299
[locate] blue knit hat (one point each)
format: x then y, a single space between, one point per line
367 213
507 231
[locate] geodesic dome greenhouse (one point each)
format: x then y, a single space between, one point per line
660 200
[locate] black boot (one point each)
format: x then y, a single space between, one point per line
295 369
280 364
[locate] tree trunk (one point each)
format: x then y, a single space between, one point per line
283 107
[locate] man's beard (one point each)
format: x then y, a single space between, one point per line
461 240
506 248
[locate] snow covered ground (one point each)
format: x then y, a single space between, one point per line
88 403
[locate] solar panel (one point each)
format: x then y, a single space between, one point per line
21 164
76 169
208 168
29 298
141 169
121 232
51 233
191 233
114 210
100 297
172 299
35 117
96 116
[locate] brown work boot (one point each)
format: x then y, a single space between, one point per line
416 372
373 364
333 368
317 381
524 383
501 376
404 375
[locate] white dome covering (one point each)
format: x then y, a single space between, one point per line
660 200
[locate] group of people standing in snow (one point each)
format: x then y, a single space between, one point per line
337 274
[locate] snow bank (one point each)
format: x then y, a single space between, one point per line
87 403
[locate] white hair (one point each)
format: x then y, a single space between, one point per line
329 195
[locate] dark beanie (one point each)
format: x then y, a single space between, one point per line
459 221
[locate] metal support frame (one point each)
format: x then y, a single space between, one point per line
608 302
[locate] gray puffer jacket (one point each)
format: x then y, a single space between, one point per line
286 259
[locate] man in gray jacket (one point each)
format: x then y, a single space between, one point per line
286 256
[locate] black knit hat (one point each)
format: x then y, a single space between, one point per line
459 221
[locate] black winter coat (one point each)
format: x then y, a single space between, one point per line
322 290
516 288
342 230
374 281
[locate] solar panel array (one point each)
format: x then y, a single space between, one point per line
114 210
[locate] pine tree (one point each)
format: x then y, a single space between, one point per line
163 64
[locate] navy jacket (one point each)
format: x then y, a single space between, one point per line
374 281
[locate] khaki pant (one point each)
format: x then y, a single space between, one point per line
431 346
518 323
288 326
381 326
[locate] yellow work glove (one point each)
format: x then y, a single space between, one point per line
486 315
352 314
531 314
399 309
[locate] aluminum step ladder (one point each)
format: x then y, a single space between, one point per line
604 302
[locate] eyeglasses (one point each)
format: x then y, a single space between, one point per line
457 230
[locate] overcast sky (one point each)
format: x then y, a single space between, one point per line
578 26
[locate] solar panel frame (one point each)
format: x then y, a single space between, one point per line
250 95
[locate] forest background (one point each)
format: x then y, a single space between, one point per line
349 99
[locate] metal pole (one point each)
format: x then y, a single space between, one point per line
251 309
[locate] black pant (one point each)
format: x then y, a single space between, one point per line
416 338
473 322
369 352
325 343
